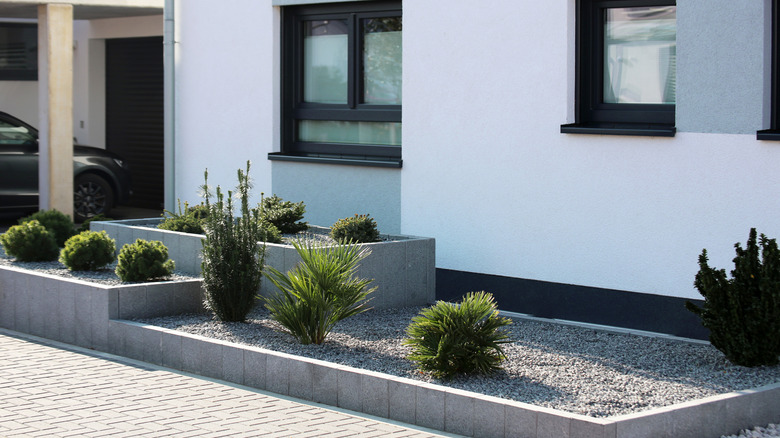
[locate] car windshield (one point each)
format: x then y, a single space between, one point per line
14 134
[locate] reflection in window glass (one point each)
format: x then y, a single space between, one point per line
325 55
640 55
382 60
333 131
15 135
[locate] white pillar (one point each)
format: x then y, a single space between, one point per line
55 82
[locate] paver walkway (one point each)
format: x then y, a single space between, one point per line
51 389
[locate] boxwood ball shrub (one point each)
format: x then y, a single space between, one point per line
358 229
30 242
743 312
60 225
144 261
88 251
449 339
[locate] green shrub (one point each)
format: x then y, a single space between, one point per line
449 339
284 215
232 258
88 251
319 292
30 242
190 220
743 312
358 229
270 233
60 225
96 218
144 261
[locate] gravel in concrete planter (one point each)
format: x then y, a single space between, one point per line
403 267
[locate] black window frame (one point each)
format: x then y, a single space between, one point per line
592 115
773 133
27 74
294 108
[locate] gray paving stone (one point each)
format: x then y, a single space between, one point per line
375 395
489 418
520 422
458 413
430 407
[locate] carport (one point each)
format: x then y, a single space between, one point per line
55 82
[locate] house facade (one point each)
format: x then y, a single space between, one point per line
573 159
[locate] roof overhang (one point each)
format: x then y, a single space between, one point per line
84 9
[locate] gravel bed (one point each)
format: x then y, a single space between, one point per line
570 368
101 276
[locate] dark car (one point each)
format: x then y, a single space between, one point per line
101 178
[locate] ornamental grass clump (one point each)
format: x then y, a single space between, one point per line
449 339
60 225
232 257
743 312
30 242
144 261
319 292
358 229
88 251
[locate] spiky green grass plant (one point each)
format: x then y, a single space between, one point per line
319 292
449 339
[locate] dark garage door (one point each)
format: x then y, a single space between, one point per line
134 113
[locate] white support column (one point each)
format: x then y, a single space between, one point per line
55 82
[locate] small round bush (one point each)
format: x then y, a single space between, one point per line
191 220
285 215
357 229
449 339
269 232
88 251
143 261
60 225
30 242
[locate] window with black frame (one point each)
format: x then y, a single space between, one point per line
341 83
626 67
18 52
773 133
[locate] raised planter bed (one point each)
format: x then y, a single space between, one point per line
78 312
403 267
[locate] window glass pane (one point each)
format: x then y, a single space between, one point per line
332 131
18 48
382 60
640 55
325 51
16 135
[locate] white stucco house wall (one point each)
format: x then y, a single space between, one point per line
529 194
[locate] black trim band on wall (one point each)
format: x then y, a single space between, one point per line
631 310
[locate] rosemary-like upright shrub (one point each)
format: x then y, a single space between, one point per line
232 257
743 312
319 292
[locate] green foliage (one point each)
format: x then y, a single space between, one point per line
96 218
284 215
189 220
30 242
449 339
88 251
358 229
60 225
743 312
144 261
319 292
232 258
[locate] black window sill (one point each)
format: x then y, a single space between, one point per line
395 163
768 134
648 130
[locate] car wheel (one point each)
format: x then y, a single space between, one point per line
92 195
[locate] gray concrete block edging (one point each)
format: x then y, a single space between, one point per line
403 268
429 405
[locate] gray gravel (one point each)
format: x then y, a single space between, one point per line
570 368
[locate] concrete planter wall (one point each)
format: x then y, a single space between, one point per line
403 269
78 312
